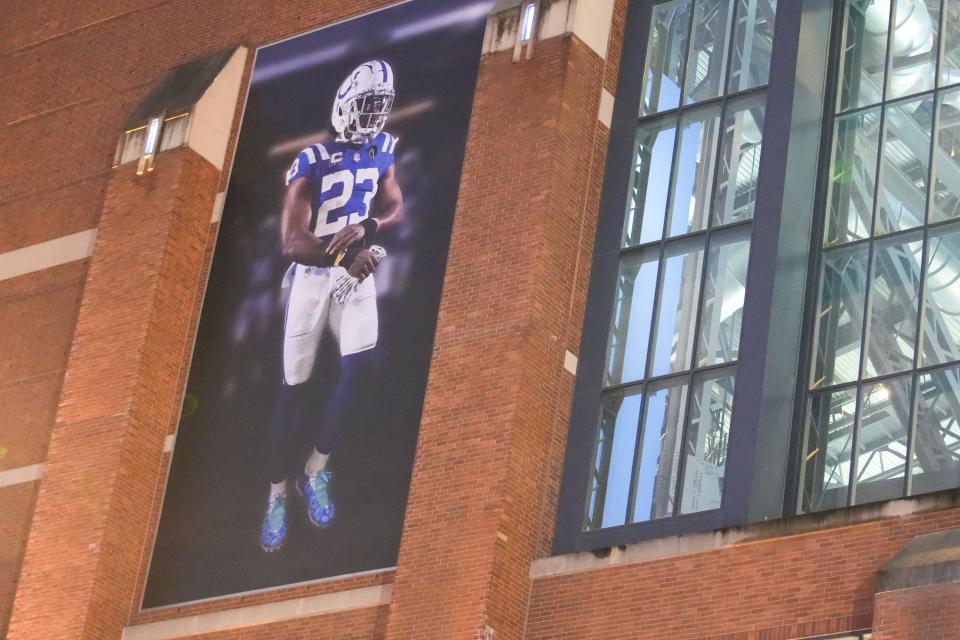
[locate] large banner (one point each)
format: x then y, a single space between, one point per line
299 423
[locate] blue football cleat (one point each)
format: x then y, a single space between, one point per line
274 528
316 490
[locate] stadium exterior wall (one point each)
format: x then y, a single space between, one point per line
96 338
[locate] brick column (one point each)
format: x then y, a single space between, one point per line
497 399
931 612
118 401
918 590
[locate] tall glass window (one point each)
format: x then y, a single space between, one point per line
881 413
661 439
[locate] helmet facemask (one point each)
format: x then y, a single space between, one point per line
366 115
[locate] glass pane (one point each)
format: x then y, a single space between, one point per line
707 436
904 166
706 68
740 147
894 294
829 438
613 459
864 53
693 180
914 46
853 176
723 291
882 443
647 204
946 164
174 132
752 44
630 321
843 287
950 65
935 462
666 55
941 313
676 317
660 452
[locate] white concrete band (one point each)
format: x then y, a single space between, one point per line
261 614
570 363
218 203
605 114
44 255
21 475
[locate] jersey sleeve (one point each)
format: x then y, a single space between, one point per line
305 161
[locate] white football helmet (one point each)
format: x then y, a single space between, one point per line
363 102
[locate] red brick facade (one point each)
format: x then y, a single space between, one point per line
92 365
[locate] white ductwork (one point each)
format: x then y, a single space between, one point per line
912 44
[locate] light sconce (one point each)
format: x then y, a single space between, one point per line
526 32
150 145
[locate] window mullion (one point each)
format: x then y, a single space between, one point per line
925 259
767 373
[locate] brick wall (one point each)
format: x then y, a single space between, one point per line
797 586
362 624
17 501
489 458
37 313
119 397
488 446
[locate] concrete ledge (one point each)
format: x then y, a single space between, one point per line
673 546
261 614
44 255
933 558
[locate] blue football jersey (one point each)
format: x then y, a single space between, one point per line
344 179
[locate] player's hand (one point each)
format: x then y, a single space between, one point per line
350 234
364 264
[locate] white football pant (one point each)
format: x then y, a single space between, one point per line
311 310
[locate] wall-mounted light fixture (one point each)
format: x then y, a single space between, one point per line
151 145
526 33
526 21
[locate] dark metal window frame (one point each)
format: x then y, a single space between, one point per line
766 372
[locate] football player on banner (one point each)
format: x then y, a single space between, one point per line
340 195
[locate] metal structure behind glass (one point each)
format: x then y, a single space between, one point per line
884 386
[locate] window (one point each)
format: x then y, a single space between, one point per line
884 386
662 427
133 141
773 321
